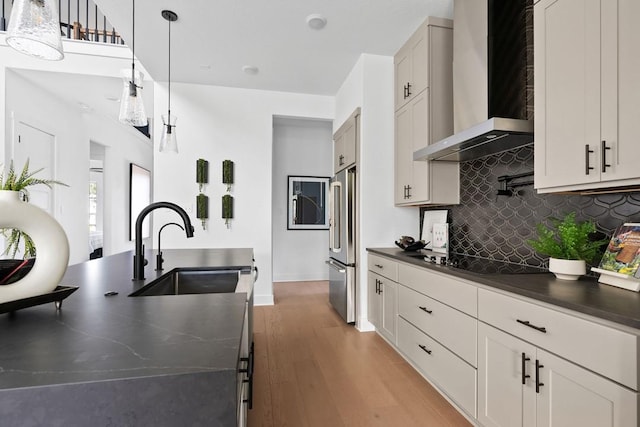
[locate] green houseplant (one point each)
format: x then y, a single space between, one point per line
569 245
20 183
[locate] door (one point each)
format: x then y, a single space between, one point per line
373 299
567 92
572 396
503 399
620 89
38 147
389 293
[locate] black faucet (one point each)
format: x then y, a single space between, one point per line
159 259
138 260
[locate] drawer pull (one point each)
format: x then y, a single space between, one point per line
538 383
379 266
425 309
537 328
524 368
424 348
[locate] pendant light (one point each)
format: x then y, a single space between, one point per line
131 104
168 141
34 29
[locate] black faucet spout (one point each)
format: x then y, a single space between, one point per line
138 260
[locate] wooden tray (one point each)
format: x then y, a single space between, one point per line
56 296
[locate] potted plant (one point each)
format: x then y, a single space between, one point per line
569 244
20 183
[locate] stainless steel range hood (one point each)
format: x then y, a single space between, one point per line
492 81
489 137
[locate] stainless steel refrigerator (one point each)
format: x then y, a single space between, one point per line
342 240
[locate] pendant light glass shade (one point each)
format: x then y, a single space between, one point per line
131 105
34 29
168 142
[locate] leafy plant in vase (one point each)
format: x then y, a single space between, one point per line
569 244
20 183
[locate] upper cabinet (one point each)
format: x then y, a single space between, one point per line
424 115
586 92
345 143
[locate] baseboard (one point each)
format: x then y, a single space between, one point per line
263 300
363 325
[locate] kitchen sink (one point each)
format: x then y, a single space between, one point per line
181 282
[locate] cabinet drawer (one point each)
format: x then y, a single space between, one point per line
602 349
384 267
457 294
452 328
451 374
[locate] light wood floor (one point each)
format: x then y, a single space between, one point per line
312 369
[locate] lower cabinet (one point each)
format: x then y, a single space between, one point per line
382 302
454 376
522 385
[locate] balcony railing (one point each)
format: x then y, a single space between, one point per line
79 20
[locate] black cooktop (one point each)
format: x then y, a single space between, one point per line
490 266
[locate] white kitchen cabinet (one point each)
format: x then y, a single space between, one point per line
382 302
522 385
424 115
346 142
586 91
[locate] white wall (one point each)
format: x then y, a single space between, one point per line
370 86
303 148
217 123
73 131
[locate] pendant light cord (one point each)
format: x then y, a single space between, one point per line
169 83
133 45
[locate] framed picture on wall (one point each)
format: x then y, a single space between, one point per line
307 203
139 198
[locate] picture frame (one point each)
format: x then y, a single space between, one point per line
307 202
139 198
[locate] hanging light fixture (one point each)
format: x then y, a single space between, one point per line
168 141
131 104
34 29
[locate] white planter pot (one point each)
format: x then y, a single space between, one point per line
567 269
49 239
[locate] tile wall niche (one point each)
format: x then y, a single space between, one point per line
497 227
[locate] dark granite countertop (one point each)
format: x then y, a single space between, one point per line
585 295
160 340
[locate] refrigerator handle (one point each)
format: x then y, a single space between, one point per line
334 216
336 266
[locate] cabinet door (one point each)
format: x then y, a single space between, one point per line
412 133
503 399
573 396
350 138
402 75
373 299
620 89
389 295
567 92
338 153
411 67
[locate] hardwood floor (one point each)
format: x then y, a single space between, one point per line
312 369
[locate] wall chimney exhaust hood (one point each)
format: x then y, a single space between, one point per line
489 137
492 78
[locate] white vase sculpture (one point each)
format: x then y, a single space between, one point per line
49 239
567 269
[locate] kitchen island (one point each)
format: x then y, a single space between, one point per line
127 361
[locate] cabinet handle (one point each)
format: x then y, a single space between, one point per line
408 90
538 383
424 348
587 168
379 266
408 191
537 328
524 368
425 309
604 156
380 287
404 92
377 286
341 160
405 192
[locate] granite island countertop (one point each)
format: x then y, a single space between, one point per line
124 360
585 295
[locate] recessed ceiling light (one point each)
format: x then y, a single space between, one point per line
250 69
316 21
205 66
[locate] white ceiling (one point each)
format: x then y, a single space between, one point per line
213 39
